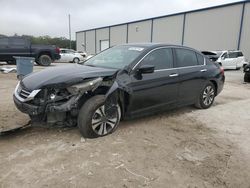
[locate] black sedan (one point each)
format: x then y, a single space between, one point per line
122 82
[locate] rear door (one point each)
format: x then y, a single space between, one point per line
229 60
69 55
157 90
241 59
192 75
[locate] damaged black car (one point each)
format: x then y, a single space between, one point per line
121 82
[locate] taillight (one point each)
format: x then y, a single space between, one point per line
221 70
58 50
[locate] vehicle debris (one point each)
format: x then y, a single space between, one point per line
7 130
8 70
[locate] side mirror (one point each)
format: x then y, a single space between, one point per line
146 69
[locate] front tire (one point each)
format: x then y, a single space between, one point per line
44 60
206 97
98 117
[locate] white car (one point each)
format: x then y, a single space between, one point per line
231 59
68 55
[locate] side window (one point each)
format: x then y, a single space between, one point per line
185 58
63 51
232 54
224 56
18 42
4 41
240 54
161 59
200 59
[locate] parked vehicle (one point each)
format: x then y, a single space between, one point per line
121 82
71 56
227 59
19 46
82 53
246 70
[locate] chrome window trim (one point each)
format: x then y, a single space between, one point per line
158 70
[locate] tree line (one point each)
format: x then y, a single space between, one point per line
60 42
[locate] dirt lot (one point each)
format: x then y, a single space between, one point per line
182 148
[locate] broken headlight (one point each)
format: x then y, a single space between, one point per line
86 86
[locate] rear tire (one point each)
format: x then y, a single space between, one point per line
206 97
76 60
44 60
247 77
98 118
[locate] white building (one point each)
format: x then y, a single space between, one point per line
224 27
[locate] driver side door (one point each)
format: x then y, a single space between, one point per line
158 90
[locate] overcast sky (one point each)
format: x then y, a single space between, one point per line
50 17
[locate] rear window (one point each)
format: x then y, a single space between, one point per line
18 42
185 58
240 54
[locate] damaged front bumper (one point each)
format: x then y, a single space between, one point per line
24 99
27 108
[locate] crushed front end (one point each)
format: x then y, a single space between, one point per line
58 105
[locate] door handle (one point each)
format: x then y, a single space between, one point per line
203 70
173 75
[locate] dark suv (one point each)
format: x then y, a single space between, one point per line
121 82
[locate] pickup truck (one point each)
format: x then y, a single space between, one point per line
20 46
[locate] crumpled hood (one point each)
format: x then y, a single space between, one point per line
63 76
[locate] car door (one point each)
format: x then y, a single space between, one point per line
70 55
192 75
240 59
157 90
63 56
229 60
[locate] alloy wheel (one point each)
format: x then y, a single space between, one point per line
208 95
105 119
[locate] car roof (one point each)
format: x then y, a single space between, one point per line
156 45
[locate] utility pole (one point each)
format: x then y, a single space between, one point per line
69 33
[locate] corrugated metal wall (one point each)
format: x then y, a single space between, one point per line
217 28
168 30
245 37
213 29
139 32
101 34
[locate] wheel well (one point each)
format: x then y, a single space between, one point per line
44 53
215 85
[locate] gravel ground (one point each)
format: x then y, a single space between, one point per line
182 148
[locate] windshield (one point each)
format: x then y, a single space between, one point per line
117 57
